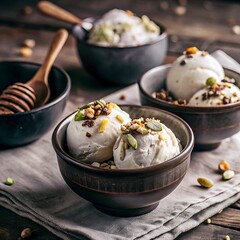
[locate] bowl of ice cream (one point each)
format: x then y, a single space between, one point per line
199 90
143 159
21 128
120 47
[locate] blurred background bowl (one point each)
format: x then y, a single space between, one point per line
120 66
210 124
126 192
22 128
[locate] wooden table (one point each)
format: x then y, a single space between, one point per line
206 24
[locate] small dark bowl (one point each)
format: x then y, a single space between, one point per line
126 192
120 66
210 125
22 128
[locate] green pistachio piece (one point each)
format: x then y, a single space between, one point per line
132 141
79 116
85 106
100 103
9 181
210 81
122 152
154 125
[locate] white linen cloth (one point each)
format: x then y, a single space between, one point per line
41 194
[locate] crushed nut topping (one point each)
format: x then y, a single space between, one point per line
88 134
215 91
166 96
142 126
228 80
92 110
110 164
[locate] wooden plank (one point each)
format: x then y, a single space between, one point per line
11 226
236 205
229 218
209 232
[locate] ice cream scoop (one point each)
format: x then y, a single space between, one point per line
189 72
144 143
220 94
119 28
93 131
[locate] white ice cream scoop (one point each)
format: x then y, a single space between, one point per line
119 28
150 149
229 93
93 141
189 72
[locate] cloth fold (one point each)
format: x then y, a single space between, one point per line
41 194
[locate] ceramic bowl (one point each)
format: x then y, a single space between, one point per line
210 124
22 128
126 192
120 66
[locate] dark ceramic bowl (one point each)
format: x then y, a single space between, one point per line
120 66
210 124
22 128
127 192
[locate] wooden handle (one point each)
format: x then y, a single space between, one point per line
59 13
58 41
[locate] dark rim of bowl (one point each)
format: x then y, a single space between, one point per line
163 34
202 109
49 104
162 166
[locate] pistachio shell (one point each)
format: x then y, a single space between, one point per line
154 125
79 116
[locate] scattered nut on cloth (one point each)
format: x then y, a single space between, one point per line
40 193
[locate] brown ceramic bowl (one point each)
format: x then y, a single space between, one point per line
127 192
210 125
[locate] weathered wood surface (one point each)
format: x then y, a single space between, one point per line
205 25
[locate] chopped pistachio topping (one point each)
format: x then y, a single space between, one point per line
9 181
103 125
132 141
211 81
79 116
94 109
142 126
119 118
154 125
85 106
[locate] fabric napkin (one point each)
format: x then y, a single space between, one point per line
41 194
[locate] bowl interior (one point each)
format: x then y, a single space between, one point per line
12 72
155 79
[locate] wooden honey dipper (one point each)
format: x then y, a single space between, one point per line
21 97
